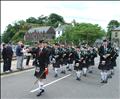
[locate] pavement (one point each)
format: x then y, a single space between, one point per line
20 85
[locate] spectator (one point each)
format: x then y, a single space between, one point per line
19 55
9 53
4 56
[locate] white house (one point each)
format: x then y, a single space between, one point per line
60 30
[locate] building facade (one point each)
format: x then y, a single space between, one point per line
60 30
115 36
40 33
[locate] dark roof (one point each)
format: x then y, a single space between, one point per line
117 29
39 29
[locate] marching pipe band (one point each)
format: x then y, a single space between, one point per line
80 59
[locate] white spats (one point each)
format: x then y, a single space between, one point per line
84 70
78 73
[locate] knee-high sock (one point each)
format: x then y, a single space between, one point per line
64 67
56 70
105 75
73 63
40 85
61 67
102 76
70 66
67 65
108 72
78 74
84 70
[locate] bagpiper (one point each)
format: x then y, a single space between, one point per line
40 66
63 62
114 55
78 64
92 55
85 62
56 56
104 65
71 58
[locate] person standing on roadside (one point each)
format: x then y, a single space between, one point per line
19 55
4 56
9 52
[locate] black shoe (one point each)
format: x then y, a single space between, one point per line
109 76
42 91
63 72
105 81
78 79
112 73
102 81
90 72
84 75
56 75
69 69
39 94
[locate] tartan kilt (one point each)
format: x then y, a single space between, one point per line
56 64
61 61
70 61
85 65
65 61
106 66
79 67
40 73
88 63
113 63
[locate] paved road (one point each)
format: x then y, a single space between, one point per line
19 85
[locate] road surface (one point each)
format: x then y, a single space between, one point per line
20 86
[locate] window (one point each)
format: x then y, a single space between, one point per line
58 32
116 34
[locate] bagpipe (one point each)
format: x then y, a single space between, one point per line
115 55
46 71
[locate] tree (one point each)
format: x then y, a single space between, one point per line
19 36
31 20
112 25
9 33
42 20
82 32
55 19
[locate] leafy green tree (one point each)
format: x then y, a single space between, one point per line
19 36
55 19
31 20
43 20
82 32
8 33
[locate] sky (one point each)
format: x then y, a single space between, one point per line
95 12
